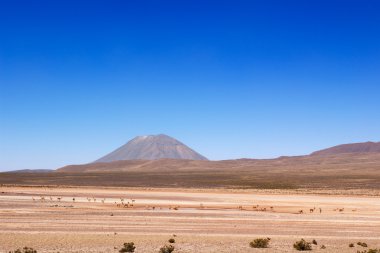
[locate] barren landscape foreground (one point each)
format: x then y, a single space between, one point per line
95 219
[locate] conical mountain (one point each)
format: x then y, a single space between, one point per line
152 147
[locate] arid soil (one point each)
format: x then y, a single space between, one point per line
50 220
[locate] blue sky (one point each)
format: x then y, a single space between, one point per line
231 79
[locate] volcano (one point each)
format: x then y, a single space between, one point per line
152 147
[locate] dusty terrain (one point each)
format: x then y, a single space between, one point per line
202 220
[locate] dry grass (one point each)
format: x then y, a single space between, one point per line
359 171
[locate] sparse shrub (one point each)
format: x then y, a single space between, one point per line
167 249
323 247
171 240
260 243
128 247
302 245
369 251
314 242
24 250
363 244
351 245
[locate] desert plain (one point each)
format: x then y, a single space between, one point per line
100 219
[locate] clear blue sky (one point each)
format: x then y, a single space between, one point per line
231 79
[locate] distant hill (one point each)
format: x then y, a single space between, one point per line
152 147
31 171
363 147
344 171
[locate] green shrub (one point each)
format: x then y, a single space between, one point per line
24 250
260 243
128 247
167 249
171 240
302 245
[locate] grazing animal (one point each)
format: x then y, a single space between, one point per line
311 210
320 210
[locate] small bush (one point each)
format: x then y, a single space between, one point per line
314 242
351 245
128 247
363 244
167 249
323 247
369 251
302 245
260 243
171 240
24 250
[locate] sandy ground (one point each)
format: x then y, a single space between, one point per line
203 221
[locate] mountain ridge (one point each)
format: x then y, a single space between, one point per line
349 148
294 163
348 154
